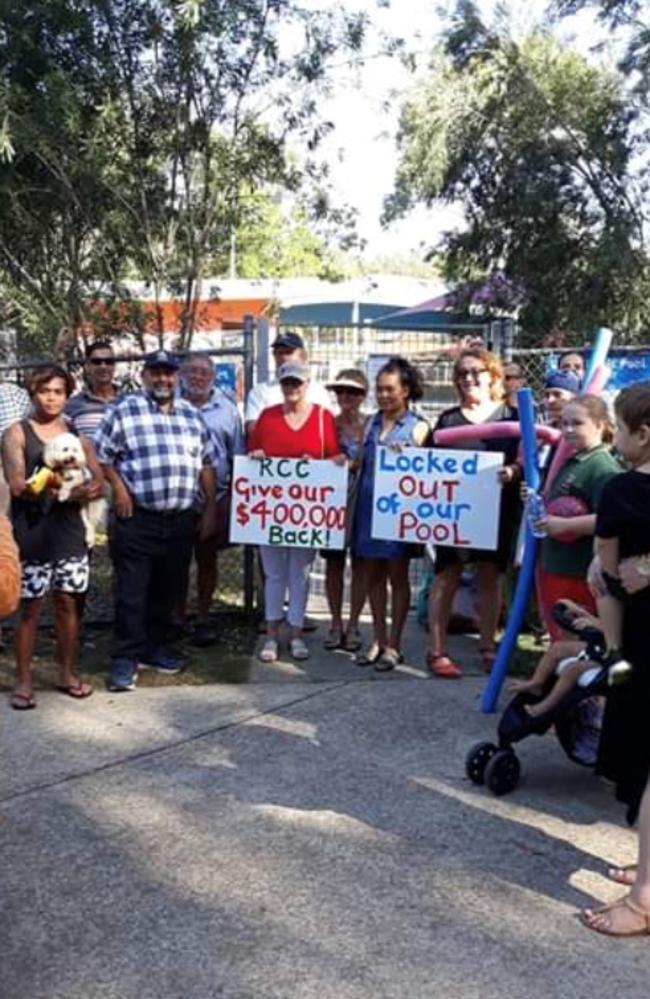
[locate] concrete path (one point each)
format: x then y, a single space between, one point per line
310 834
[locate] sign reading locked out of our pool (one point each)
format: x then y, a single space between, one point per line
437 496
297 502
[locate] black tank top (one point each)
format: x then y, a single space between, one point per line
45 529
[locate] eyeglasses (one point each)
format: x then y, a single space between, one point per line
106 362
473 373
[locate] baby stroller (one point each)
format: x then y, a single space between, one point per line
577 718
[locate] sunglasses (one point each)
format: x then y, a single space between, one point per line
514 378
471 373
349 391
106 362
291 383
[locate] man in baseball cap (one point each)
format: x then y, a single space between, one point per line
559 388
288 346
161 359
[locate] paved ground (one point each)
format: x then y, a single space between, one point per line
310 834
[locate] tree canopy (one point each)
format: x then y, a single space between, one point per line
536 144
131 135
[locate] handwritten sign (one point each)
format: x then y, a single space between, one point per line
288 501
437 496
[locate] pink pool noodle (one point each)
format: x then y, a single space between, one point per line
488 431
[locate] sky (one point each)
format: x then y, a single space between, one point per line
362 150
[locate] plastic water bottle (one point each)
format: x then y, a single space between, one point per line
535 511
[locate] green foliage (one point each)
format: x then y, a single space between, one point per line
129 131
536 144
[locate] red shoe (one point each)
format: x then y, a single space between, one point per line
441 665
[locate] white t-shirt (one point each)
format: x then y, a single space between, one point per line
267 394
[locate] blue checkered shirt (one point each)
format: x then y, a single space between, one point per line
14 404
224 424
157 455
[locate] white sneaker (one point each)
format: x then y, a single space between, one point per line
269 651
298 649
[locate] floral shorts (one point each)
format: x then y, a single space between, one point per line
69 575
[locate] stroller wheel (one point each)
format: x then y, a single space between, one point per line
477 759
502 772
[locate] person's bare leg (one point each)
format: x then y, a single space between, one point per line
620 920
441 599
400 599
66 626
207 576
490 600
334 569
565 683
377 569
24 640
358 592
546 667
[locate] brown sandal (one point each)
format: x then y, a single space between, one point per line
22 702
623 903
77 690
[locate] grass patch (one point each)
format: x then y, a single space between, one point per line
227 661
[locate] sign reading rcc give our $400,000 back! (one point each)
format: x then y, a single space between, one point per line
297 502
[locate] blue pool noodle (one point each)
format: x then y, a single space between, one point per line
526 577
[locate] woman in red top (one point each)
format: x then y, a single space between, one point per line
294 429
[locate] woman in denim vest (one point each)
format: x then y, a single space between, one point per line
395 425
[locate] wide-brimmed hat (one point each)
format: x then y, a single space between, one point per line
294 369
351 378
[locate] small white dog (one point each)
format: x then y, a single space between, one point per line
64 454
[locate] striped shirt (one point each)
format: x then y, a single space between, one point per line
158 456
86 411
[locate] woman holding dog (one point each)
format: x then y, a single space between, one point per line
50 535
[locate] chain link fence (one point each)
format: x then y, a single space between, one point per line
234 363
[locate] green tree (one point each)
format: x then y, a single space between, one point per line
129 129
536 144
633 17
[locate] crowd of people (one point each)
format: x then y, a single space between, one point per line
163 455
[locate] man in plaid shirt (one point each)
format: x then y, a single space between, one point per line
156 454
15 405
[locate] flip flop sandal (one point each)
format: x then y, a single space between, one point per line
628 903
77 690
623 875
487 658
370 656
388 660
334 639
352 641
22 702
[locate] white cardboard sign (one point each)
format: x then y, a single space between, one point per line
297 502
437 496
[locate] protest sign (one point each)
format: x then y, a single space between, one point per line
437 496
297 502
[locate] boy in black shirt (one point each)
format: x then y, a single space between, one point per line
623 518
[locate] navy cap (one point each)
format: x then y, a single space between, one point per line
162 359
290 340
566 380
